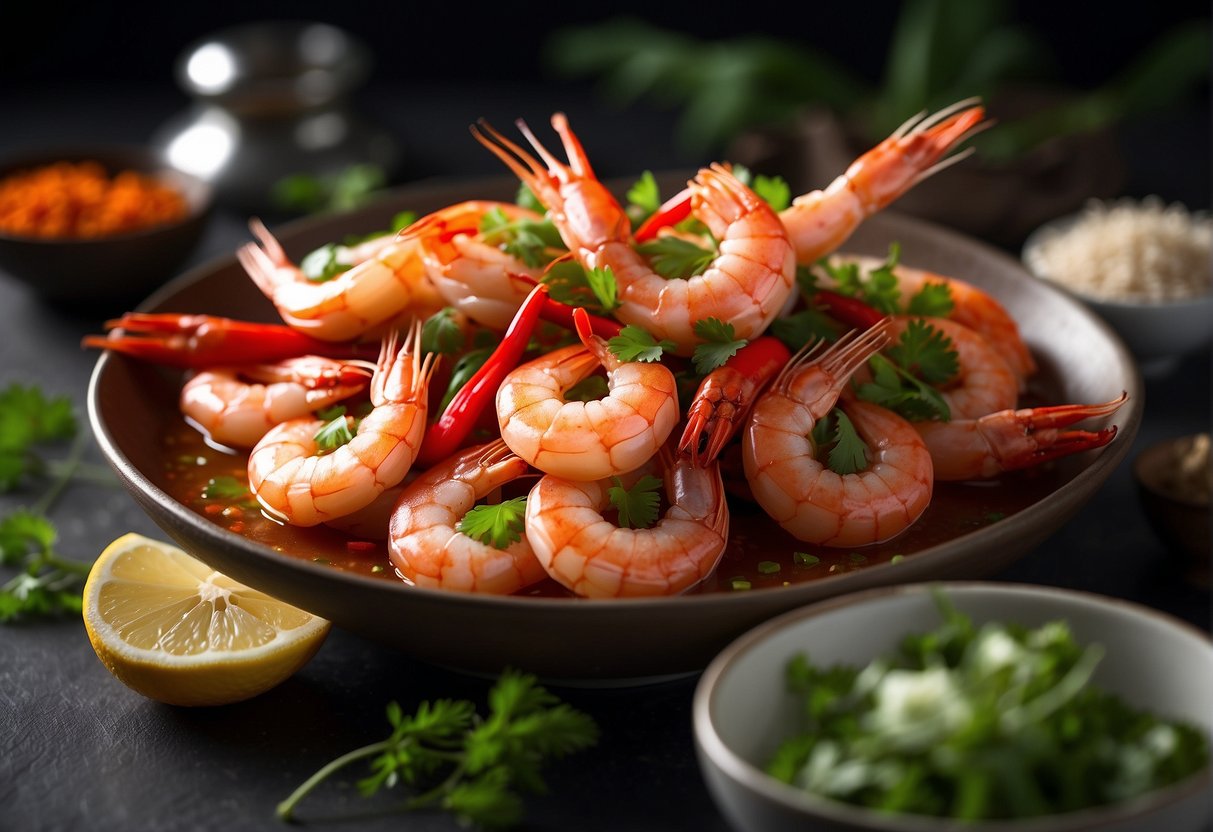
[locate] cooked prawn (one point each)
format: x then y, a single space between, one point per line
971 307
745 284
471 273
971 449
595 558
297 484
586 440
425 543
820 221
804 496
984 382
235 406
390 283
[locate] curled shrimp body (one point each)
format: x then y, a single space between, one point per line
971 307
586 440
745 284
236 406
390 282
973 449
425 544
820 221
297 484
595 558
984 382
804 496
469 272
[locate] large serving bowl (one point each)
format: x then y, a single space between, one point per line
132 405
742 711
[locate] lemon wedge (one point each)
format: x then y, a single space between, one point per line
175 630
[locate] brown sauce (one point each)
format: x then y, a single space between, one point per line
760 553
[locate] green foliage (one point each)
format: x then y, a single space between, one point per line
343 191
29 419
839 444
977 723
636 344
594 290
499 525
926 353
675 258
644 198
333 434
441 333
535 243
718 347
455 760
895 389
638 505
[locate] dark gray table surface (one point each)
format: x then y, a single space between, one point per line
79 750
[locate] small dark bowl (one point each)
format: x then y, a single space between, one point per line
1183 521
110 270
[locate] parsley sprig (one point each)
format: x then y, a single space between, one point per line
636 344
905 382
718 345
460 762
638 505
499 525
46 582
595 290
839 444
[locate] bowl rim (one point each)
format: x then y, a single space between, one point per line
943 554
199 194
712 747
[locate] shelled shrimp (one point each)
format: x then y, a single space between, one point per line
804 496
594 439
595 558
425 543
746 283
236 406
295 483
473 275
391 282
972 449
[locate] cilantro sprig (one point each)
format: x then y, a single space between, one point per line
638 505
636 344
334 433
441 332
499 525
46 583
718 345
675 258
595 290
839 444
457 761
534 242
879 288
906 381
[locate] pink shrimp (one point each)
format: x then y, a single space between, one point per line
971 449
971 307
804 496
236 406
390 282
298 484
470 271
745 284
425 543
594 439
595 558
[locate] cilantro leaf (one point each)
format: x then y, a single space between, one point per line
719 346
29 418
675 258
637 505
590 389
525 198
322 265
498 525
225 487
879 288
462 373
849 454
644 198
534 242
22 530
926 353
809 324
893 388
932 300
635 344
441 333
333 434
606 290
774 190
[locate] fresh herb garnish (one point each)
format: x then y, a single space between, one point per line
225 487
349 188
333 434
839 444
644 198
499 525
441 332
978 722
675 258
534 242
468 765
602 284
895 389
878 289
718 347
774 190
933 300
925 352
636 344
638 505
47 584
28 419
589 389
570 283
462 373
809 324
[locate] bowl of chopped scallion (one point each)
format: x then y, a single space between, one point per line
985 706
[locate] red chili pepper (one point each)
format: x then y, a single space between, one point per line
672 212
850 311
447 433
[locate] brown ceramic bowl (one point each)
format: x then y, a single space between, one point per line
132 405
119 269
1182 518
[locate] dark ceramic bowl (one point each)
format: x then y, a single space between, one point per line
1181 517
115 270
133 405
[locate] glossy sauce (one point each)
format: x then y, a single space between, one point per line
760 553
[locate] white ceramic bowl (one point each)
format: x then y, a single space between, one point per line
1158 333
742 711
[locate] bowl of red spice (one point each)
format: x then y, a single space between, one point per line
97 225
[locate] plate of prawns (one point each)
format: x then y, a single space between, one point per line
579 429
